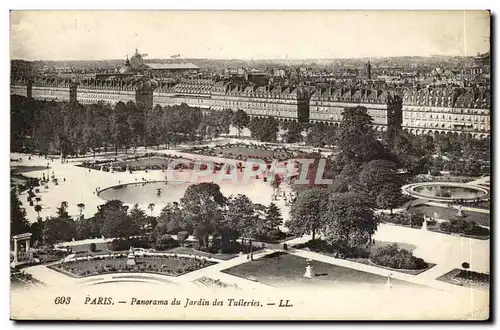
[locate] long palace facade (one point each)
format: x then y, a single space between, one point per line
438 110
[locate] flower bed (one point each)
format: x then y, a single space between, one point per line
244 152
474 277
147 161
463 226
172 265
413 220
466 278
209 282
393 257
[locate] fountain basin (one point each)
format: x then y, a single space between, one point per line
446 191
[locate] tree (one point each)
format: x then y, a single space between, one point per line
264 129
203 213
239 219
92 247
138 216
18 222
81 207
389 197
136 122
118 224
151 208
114 220
59 229
89 228
294 132
347 179
38 209
375 175
36 230
273 218
170 219
182 236
306 213
212 189
240 120
357 141
62 210
224 120
348 219
119 125
321 134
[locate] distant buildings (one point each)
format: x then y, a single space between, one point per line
420 108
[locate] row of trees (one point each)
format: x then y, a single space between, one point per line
75 128
72 128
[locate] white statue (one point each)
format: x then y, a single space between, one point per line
131 257
389 284
309 270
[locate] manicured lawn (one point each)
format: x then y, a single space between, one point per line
26 169
450 277
364 254
286 270
220 256
151 264
188 250
367 261
100 247
143 162
248 152
405 246
481 219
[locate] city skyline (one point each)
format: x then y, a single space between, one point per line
259 35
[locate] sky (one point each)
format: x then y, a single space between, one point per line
100 35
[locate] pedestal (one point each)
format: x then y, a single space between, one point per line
131 258
388 284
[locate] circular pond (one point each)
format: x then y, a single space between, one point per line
446 191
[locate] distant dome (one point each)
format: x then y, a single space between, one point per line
136 60
126 68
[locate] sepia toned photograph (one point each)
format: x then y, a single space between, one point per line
250 165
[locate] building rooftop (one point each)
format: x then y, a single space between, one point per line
172 66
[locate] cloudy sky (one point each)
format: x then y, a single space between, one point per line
93 35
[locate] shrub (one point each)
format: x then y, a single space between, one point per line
416 220
463 226
182 236
392 257
434 171
473 277
125 244
92 247
319 245
166 242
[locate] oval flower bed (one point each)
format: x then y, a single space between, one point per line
158 264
